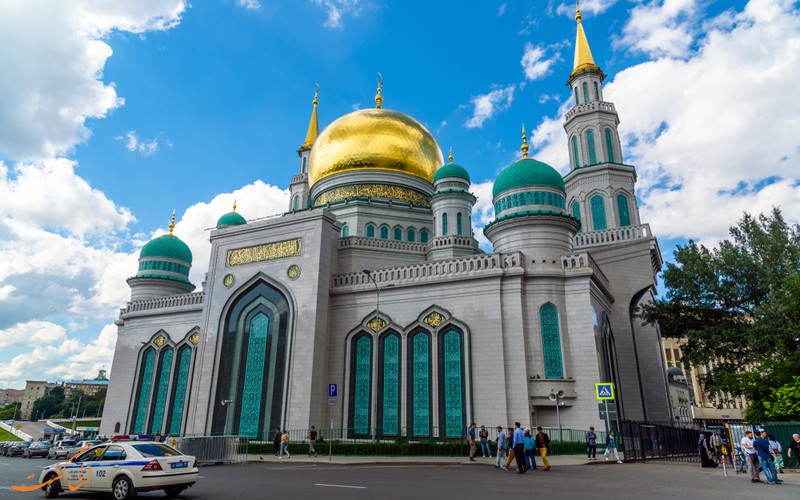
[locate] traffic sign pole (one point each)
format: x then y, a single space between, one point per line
608 427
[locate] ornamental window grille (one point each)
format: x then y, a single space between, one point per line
361 372
576 158
585 92
624 211
452 385
590 147
390 386
419 390
179 390
411 235
398 234
423 236
345 231
145 384
250 412
162 386
610 146
458 223
444 224
596 92
384 233
598 213
551 341
576 212
370 231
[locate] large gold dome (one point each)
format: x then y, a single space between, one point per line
375 139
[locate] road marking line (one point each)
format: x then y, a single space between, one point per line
341 486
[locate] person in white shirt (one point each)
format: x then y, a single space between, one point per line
750 456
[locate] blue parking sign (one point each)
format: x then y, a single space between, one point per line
332 393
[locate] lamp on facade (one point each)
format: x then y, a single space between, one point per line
227 404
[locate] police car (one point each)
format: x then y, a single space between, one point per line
122 468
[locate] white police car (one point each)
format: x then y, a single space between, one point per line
122 469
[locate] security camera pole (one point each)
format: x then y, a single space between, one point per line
557 396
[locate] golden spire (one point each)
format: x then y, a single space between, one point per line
234 205
524 143
583 54
313 126
451 155
172 222
378 96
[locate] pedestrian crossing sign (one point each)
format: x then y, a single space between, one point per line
604 391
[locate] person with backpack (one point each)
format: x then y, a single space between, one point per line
611 446
530 450
312 441
483 435
591 444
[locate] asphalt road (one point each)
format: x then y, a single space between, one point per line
651 481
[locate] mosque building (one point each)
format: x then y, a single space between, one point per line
373 281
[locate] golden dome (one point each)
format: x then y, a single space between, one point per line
375 139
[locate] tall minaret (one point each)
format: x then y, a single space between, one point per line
299 187
600 188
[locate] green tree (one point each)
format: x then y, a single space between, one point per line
8 411
738 308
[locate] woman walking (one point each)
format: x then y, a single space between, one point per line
777 452
706 455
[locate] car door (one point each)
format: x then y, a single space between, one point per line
104 471
78 472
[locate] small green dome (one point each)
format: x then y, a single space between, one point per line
451 170
231 219
527 172
168 246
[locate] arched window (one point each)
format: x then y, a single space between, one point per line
370 231
303 169
610 146
451 384
145 385
419 384
458 223
598 213
398 234
254 376
585 92
162 385
551 341
360 384
412 235
596 92
575 154
576 212
624 211
179 390
590 147
423 236
296 203
576 96
389 385
384 232
444 224
345 231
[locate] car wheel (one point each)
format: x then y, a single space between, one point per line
174 491
122 489
51 490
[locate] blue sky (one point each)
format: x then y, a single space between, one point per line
119 112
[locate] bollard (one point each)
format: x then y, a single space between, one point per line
724 468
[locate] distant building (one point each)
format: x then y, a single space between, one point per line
90 387
8 396
679 396
34 389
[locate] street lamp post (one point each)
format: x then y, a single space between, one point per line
227 404
557 397
75 415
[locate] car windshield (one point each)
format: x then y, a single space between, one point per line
67 443
155 450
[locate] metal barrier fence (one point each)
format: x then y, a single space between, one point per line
214 449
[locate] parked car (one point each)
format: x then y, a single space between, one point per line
60 448
37 449
81 446
3 446
17 448
123 468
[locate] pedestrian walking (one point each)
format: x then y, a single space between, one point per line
530 450
502 446
794 449
285 444
510 446
777 452
312 441
611 446
519 447
276 441
715 444
542 443
761 444
591 444
483 435
706 455
750 456
473 448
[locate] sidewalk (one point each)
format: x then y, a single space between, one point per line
555 461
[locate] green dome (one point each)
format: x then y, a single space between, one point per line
451 170
167 246
231 219
527 172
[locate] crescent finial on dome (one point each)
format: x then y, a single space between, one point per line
379 96
172 222
234 205
451 155
524 147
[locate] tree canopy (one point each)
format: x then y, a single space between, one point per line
737 307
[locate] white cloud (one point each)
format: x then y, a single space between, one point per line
534 63
666 29
502 10
338 8
142 146
249 4
486 105
482 212
57 66
587 7
31 333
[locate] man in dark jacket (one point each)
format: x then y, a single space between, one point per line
761 445
542 443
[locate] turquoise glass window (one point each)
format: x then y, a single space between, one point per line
585 92
596 92
391 386
624 211
444 224
551 342
590 146
458 224
453 394
576 96
370 231
423 236
412 235
598 213
297 203
181 385
304 165
575 154
610 146
576 211
145 384
421 395
345 231
164 369
530 198
398 234
384 233
250 412
361 388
